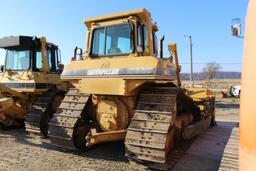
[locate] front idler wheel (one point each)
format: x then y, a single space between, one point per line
81 129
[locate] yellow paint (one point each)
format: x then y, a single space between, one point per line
118 85
102 137
199 93
112 114
115 93
17 108
114 81
44 54
143 14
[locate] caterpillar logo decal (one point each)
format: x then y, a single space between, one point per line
103 72
118 72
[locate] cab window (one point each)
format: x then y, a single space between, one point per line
155 47
140 37
17 60
144 34
51 60
39 60
112 40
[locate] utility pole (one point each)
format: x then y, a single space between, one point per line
191 60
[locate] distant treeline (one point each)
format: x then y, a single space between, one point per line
219 75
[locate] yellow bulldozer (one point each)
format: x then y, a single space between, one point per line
124 91
30 88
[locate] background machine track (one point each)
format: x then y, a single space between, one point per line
39 108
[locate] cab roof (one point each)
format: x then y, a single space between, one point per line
21 42
142 13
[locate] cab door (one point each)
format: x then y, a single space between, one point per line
54 61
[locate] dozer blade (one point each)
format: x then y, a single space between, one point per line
205 100
9 112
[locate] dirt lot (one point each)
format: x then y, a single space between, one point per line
18 151
215 84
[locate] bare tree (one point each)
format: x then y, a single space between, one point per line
211 69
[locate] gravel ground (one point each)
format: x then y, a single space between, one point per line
227 109
21 152
18 151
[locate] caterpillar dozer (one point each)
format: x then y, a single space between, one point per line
124 91
30 87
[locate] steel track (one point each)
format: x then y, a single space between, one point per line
147 140
62 125
39 108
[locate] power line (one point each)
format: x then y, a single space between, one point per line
200 63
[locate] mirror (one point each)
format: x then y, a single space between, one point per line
161 47
236 27
2 68
60 68
79 52
139 49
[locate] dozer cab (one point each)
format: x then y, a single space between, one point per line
30 87
124 91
